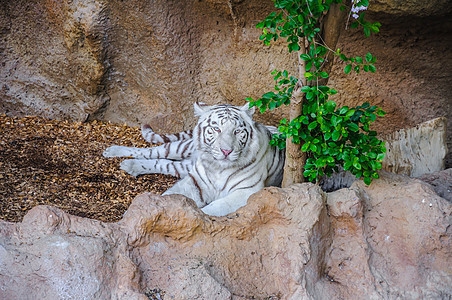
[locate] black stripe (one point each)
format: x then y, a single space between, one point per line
176 173
237 171
178 147
167 148
195 169
197 186
165 138
185 149
247 187
273 161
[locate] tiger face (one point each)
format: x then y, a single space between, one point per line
224 131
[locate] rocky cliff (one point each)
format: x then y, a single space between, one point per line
390 240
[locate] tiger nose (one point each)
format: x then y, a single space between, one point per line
226 152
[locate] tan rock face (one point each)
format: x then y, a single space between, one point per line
417 151
391 239
143 61
412 7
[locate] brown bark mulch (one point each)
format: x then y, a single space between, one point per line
60 163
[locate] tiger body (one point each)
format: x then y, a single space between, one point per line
225 159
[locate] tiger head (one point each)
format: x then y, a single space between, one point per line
224 132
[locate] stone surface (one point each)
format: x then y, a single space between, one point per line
412 7
389 240
390 245
418 150
148 61
441 182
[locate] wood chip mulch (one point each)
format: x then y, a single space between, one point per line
60 163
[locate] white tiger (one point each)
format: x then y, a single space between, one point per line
225 159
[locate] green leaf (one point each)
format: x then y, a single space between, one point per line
357 165
359 60
330 106
367 180
353 127
347 165
306 89
305 57
268 95
348 69
350 113
324 74
305 147
368 57
335 120
343 110
372 68
336 135
293 47
366 31
272 105
332 92
312 125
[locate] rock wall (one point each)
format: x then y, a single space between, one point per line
148 61
389 240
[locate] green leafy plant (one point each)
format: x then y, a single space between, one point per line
331 136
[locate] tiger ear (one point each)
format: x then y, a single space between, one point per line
250 111
200 108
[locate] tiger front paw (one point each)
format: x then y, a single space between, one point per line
115 151
130 166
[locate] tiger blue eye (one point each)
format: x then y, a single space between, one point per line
217 129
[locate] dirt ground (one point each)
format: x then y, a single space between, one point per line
60 163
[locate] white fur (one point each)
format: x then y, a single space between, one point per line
228 158
219 184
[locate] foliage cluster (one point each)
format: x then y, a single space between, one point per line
331 136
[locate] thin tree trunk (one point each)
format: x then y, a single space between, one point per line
295 158
333 24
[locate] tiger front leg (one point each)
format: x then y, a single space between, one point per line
230 203
122 151
136 167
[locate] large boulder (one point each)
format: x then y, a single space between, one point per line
418 150
388 240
